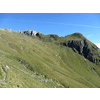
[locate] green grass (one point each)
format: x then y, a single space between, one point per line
53 65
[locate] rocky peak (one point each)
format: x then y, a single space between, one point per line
84 47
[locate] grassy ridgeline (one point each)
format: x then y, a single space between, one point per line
34 63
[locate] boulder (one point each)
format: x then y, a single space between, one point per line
33 33
93 69
27 32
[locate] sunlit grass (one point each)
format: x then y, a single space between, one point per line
44 64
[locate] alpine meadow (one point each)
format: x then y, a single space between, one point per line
30 59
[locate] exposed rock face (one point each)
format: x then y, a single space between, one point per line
27 32
89 51
33 33
30 33
38 34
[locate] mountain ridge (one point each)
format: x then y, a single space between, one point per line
80 46
84 47
46 61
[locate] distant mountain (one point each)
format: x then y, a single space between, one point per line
29 59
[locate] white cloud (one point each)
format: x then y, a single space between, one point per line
97 44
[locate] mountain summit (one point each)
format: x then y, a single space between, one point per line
84 47
29 59
78 35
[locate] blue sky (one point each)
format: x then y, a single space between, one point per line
61 24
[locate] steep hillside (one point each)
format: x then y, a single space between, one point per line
84 47
47 61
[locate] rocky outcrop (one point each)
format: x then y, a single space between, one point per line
30 33
26 32
5 29
84 48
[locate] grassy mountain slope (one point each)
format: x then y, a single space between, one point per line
33 63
